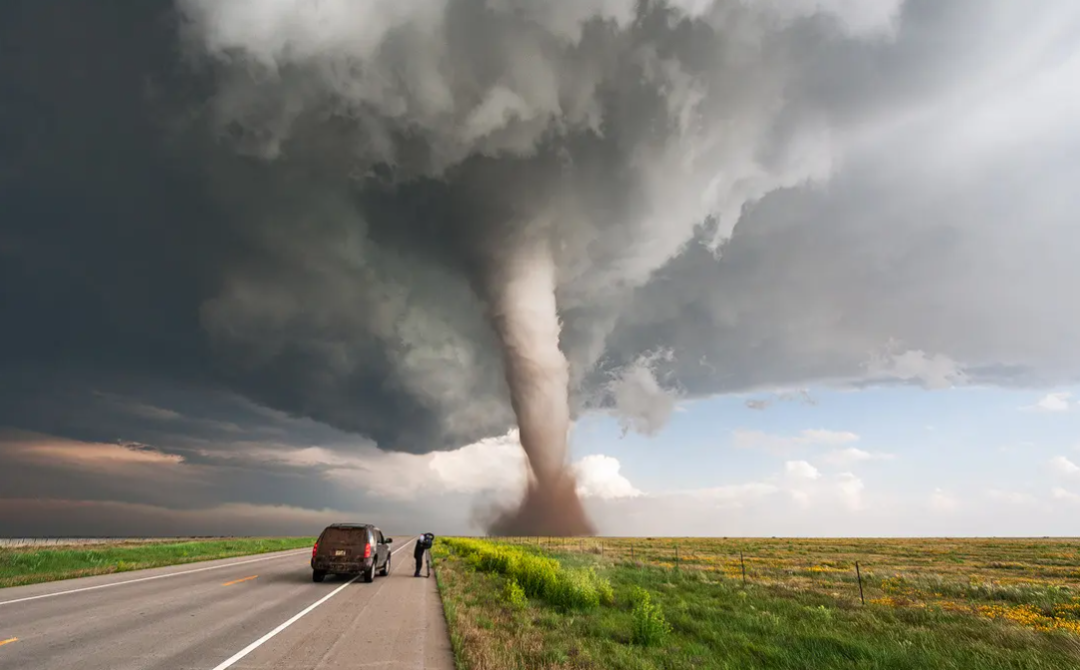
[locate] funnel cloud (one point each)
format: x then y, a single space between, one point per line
526 320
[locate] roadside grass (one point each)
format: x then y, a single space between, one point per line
33 565
661 617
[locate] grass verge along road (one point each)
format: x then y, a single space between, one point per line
21 566
577 604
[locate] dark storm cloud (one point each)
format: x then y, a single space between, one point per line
113 245
179 238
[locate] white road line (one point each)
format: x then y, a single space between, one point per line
228 663
146 579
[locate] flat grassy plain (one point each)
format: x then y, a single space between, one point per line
682 603
32 565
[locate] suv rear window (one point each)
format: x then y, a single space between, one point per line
347 537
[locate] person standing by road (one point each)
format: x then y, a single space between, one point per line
422 546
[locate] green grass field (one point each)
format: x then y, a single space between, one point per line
979 604
31 565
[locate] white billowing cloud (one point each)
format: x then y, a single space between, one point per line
852 455
849 486
817 436
801 470
775 505
851 489
729 495
491 464
1012 497
799 482
755 439
941 501
598 476
639 401
801 396
933 372
1061 494
801 498
496 464
856 513
1052 402
1062 465
808 487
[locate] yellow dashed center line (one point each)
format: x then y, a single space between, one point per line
8 641
237 581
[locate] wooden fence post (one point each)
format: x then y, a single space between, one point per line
858 574
742 562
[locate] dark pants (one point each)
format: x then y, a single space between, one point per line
419 556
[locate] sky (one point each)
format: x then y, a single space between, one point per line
812 263
896 461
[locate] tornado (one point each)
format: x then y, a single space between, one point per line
524 315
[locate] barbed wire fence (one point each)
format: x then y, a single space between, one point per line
845 575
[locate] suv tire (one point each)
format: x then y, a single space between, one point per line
369 574
318 575
385 572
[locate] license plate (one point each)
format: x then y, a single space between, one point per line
339 552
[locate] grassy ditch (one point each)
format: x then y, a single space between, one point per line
32 565
513 606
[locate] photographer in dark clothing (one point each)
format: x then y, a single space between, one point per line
422 546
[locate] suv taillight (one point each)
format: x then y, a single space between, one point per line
367 550
315 550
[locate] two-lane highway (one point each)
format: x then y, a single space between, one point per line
252 612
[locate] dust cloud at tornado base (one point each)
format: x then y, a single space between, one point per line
450 175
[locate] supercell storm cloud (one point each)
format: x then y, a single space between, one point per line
556 160
427 222
404 163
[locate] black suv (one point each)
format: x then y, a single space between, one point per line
350 549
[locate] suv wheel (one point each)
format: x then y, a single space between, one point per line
318 575
369 574
386 568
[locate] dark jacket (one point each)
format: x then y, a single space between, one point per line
422 545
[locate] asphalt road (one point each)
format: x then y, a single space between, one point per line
251 612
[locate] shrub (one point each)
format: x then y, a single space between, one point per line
537 576
650 627
514 595
575 590
607 594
